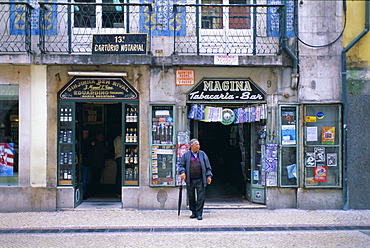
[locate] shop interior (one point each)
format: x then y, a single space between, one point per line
219 143
103 121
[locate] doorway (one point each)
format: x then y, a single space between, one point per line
103 122
219 143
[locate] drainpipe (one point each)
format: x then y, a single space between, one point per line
344 100
295 75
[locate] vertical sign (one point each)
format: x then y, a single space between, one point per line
274 17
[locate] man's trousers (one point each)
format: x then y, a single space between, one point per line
196 195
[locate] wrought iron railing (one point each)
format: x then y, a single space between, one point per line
244 29
15 27
68 27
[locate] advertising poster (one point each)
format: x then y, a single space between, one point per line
311 134
271 157
319 154
328 135
288 135
310 159
331 159
320 173
6 159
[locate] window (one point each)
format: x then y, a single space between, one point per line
84 15
288 172
9 119
98 16
323 146
163 153
234 17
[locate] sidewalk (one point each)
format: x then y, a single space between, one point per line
125 218
226 228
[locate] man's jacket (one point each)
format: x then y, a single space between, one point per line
184 166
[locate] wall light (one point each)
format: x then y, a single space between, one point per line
97 73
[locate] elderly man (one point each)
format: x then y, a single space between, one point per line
195 169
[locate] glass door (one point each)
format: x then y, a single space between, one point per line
69 171
130 141
258 148
225 29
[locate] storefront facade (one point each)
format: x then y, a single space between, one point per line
271 132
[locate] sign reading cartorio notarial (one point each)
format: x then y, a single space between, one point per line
224 90
120 44
98 88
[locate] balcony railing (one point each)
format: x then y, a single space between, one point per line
201 29
15 27
244 29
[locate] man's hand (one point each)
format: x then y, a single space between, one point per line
209 180
183 177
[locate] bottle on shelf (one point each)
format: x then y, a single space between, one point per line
134 115
136 159
69 114
127 115
134 136
131 157
62 114
127 158
127 136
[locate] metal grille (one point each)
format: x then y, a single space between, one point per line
15 27
229 29
76 23
200 29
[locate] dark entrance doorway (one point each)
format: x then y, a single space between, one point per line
103 121
217 140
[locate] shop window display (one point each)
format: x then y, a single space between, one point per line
323 146
9 127
163 152
288 172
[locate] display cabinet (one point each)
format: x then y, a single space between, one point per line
67 157
130 139
288 152
323 146
163 153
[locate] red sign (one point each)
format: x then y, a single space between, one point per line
185 77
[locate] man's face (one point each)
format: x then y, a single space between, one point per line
195 147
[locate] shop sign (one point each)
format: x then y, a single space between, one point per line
120 44
98 88
185 77
226 90
226 60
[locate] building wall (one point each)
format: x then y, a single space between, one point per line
320 24
358 99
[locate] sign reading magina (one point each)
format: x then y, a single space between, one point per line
98 88
120 44
217 90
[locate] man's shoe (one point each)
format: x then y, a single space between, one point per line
199 217
193 216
